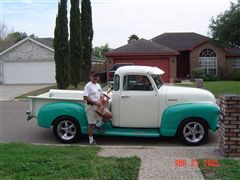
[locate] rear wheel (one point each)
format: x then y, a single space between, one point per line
193 131
66 130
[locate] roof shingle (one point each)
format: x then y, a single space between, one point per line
180 41
46 41
142 46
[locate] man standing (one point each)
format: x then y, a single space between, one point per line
92 95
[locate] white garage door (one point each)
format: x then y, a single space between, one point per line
29 72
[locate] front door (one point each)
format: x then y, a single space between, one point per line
138 103
183 65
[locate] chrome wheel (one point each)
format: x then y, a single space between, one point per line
66 130
193 132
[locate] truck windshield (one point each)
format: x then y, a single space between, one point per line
157 79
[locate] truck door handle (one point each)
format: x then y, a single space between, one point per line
126 96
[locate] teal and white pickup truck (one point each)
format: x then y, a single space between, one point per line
141 105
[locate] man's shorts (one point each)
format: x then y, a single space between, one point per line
92 116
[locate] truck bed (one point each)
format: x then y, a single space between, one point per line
54 95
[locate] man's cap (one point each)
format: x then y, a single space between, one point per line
94 72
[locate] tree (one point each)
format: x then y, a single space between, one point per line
61 49
3 30
8 38
87 36
18 36
75 43
226 27
132 38
100 51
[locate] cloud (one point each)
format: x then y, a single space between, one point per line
27 1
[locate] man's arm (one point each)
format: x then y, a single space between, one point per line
88 100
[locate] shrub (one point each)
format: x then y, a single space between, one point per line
177 81
198 73
209 77
235 75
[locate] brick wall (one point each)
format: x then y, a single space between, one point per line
229 125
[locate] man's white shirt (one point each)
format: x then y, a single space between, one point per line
93 91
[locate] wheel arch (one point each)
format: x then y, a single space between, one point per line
194 117
49 113
65 116
174 115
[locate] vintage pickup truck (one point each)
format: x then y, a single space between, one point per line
141 105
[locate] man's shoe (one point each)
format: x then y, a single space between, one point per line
93 143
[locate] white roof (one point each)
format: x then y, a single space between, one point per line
139 70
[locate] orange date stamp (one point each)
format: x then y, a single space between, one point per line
194 163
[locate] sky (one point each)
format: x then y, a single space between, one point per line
115 20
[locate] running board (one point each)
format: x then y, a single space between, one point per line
134 132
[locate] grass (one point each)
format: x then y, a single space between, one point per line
226 169
219 87
24 161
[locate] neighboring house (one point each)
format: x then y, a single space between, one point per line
191 51
30 61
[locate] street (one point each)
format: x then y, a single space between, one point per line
15 128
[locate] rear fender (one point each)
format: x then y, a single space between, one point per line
174 115
50 112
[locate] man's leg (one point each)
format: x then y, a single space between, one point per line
90 133
106 116
91 123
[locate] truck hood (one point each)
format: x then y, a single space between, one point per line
178 95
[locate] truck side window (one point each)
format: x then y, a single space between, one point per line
116 82
136 83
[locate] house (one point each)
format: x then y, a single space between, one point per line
31 61
189 51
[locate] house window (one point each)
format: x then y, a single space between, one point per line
208 61
237 63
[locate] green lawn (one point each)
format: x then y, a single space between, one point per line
24 161
219 87
226 169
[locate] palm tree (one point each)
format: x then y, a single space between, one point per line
132 38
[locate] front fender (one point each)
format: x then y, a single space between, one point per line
174 115
49 112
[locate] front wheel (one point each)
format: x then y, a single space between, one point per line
193 131
66 130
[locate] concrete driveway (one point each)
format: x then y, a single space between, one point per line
10 92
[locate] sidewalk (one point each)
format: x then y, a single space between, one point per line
10 92
160 162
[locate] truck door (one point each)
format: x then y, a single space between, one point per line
138 103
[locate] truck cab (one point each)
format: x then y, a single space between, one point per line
136 95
